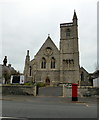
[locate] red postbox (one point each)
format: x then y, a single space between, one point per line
74 92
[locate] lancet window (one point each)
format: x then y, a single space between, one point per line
53 62
68 32
43 64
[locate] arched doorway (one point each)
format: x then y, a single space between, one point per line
47 81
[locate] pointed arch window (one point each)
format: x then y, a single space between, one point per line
53 62
30 71
43 64
82 76
68 32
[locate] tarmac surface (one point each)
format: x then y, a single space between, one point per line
87 100
19 106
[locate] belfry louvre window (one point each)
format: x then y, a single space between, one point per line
68 32
43 64
53 62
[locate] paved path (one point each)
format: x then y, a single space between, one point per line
50 91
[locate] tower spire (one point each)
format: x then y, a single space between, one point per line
27 56
74 16
27 52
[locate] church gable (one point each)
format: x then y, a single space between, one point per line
47 48
47 57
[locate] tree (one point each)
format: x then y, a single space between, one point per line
6 74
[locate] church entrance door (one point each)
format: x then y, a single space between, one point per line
47 81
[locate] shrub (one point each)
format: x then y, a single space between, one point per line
41 84
11 84
27 83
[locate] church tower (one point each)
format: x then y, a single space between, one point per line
69 51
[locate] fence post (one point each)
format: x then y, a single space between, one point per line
63 90
34 90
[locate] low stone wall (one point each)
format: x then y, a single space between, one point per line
18 90
88 89
82 91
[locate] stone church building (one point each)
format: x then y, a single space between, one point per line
52 65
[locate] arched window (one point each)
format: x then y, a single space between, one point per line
68 32
43 64
30 70
53 62
82 76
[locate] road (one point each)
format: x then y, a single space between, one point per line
47 107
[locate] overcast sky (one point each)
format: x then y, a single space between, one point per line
25 24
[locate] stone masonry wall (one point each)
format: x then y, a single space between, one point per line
82 90
18 90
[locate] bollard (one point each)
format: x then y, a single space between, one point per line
74 92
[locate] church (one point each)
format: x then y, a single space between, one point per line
52 65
